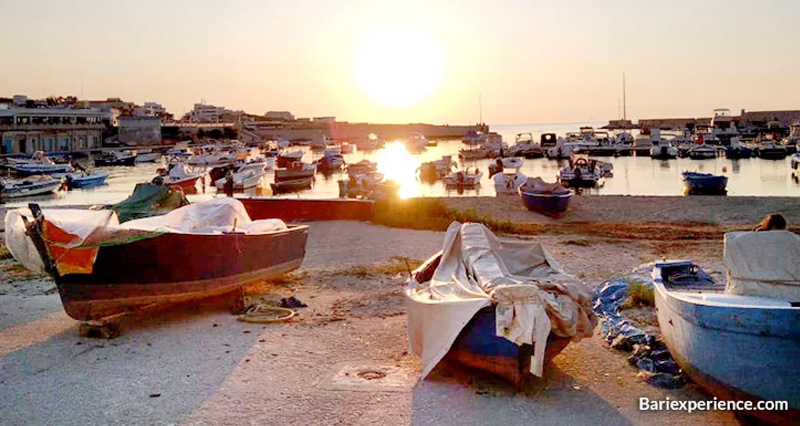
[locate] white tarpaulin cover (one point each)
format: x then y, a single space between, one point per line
533 295
765 264
93 228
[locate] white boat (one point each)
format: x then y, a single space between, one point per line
416 142
663 149
38 164
35 185
702 152
512 162
582 173
436 169
560 151
147 156
243 179
296 170
469 177
508 183
182 176
474 154
368 142
524 146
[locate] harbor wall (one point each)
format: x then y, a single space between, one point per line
348 131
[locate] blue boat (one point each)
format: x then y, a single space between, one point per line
737 347
479 347
86 180
542 197
704 183
735 152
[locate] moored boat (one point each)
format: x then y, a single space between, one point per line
295 170
468 177
86 180
769 150
34 185
702 152
115 158
103 269
739 341
180 175
288 157
581 173
704 183
542 197
291 185
147 156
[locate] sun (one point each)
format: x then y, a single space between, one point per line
398 66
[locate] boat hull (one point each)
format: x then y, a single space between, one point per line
173 267
705 184
479 347
545 203
35 188
291 185
307 209
126 161
736 353
87 181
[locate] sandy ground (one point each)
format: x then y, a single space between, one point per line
639 209
198 365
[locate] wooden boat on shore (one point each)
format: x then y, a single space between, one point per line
542 197
468 303
136 267
737 347
293 185
28 187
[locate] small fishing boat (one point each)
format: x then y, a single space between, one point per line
38 164
288 157
416 142
368 142
513 163
739 341
525 146
332 160
702 152
116 158
361 168
86 180
560 151
35 185
468 177
663 150
542 197
508 183
480 303
104 269
582 173
474 154
437 169
295 170
147 156
246 178
736 151
181 176
704 183
291 185
769 150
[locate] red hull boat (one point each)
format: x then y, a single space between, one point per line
168 268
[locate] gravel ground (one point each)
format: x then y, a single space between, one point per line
198 365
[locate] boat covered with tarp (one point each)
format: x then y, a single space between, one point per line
487 303
104 268
148 199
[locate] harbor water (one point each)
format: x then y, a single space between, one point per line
631 175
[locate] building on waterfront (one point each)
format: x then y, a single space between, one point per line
139 130
205 113
27 130
325 120
764 118
279 116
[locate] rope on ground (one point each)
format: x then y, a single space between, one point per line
266 314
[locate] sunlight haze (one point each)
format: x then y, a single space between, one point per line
530 61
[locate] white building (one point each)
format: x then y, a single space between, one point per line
204 113
27 130
150 109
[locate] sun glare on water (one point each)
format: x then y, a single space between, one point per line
396 164
398 66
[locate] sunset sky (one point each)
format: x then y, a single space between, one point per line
411 61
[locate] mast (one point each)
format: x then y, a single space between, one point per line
480 108
624 106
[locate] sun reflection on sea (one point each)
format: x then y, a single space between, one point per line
397 164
